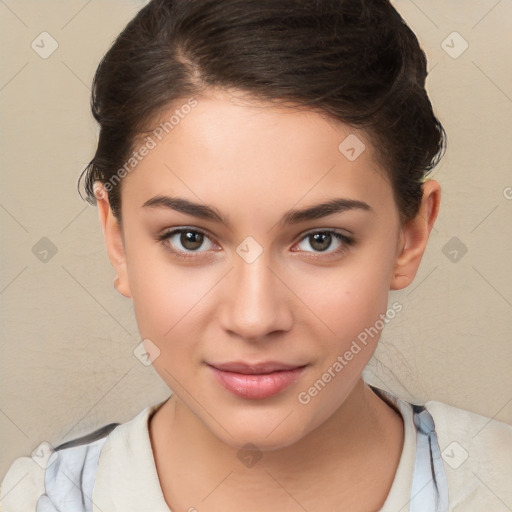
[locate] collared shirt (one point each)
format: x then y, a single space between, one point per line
452 461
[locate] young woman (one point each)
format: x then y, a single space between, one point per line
261 184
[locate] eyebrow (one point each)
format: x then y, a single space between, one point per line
202 211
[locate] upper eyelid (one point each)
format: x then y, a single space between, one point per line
174 230
338 231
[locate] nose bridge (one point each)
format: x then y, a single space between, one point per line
255 303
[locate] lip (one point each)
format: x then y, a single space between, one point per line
256 381
255 368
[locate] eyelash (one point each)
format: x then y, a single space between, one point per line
344 239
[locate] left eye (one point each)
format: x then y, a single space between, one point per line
322 240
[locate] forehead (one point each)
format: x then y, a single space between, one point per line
231 148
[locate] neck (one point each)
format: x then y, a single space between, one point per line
354 453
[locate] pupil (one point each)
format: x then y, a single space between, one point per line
191 240
324 240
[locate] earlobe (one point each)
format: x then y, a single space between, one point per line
114 242
414 236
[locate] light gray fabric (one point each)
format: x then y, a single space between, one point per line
429 488
71 473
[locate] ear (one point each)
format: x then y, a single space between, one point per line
113 234
414 236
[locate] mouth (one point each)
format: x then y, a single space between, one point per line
256 381
255 369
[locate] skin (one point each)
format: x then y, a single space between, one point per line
294 304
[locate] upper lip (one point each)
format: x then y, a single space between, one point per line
256 368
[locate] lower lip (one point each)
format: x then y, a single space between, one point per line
257 387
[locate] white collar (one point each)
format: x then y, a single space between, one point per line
127 479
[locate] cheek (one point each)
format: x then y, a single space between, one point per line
349 299
351 302
173 307
166 299
167 305
349 305
162 293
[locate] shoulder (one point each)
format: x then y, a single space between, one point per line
30 480
477 455
53 478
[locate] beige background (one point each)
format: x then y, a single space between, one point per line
68 338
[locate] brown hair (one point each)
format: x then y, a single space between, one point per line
355 61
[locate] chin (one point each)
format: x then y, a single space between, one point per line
265 430
245 439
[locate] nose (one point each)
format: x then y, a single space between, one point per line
256 301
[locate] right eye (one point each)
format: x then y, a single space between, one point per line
189 239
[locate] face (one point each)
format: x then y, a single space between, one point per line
230 259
